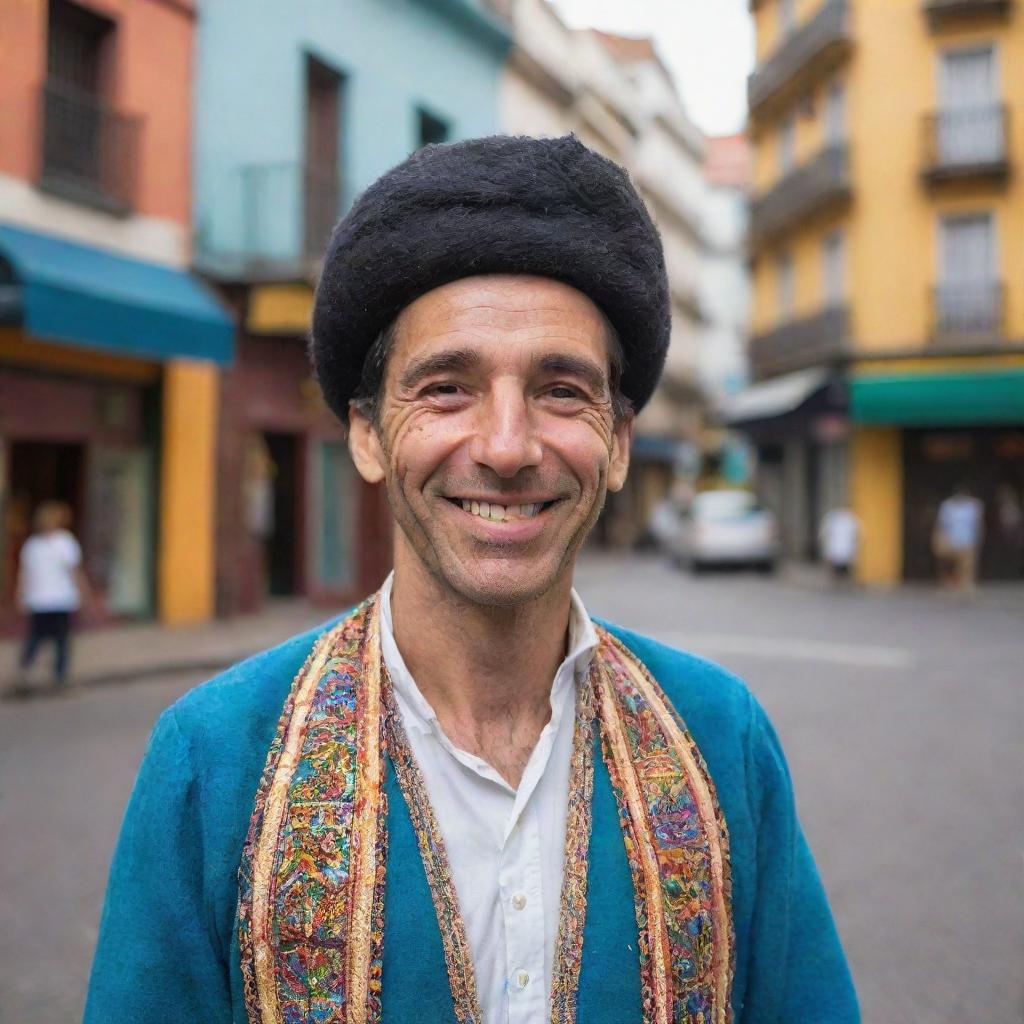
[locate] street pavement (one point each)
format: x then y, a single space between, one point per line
902 716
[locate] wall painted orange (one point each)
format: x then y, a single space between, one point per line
152 77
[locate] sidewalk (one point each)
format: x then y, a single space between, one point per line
125 653
815 576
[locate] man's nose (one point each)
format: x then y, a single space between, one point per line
505 439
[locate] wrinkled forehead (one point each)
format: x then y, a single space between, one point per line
499 313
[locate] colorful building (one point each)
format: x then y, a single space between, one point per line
617 95
886 244
109 349
290 127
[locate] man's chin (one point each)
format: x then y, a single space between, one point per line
501 583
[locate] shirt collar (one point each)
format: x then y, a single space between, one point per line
582 643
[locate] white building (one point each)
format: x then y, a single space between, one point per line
617 96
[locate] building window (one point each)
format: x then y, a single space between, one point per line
835 115
969 297
321 173
833 256
970 121
787 144
337 508
785 286
430 128
89 149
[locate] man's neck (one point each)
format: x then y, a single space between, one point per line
487 672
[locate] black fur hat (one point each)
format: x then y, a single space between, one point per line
496 205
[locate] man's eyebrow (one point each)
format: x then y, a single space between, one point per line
440 362
590 373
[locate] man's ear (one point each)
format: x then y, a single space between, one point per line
365 447
622 437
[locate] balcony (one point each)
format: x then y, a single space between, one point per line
812 341
941 13
90 152
966 144
812 50
273 223
968 314
810 189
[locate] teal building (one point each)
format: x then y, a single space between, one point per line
298 108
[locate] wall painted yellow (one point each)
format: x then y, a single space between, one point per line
876 496
894 84
280 309
806 248
891 81
185 575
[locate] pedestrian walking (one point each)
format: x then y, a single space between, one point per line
839 537
959 530
50 588
466 799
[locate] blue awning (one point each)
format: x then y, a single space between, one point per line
64 291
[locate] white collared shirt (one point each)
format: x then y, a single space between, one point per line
505 846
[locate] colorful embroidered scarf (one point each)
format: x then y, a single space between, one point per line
311 881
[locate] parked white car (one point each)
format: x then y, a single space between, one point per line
720 528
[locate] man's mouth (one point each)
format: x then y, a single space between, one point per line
496 513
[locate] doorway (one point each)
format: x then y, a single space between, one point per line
281 547
39 471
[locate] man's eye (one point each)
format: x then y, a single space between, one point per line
563 392
443 389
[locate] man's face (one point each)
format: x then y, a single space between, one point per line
496 437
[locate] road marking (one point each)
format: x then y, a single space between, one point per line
793 648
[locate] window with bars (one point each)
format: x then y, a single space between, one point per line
88 147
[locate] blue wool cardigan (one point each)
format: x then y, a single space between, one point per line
168 945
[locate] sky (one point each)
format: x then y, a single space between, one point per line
707 44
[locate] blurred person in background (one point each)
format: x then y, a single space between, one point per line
50 588
467 799
959 531
839 537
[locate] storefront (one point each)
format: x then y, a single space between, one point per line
936 427
797 424
105 367
294 517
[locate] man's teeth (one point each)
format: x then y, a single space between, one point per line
501 513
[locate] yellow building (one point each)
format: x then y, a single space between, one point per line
887 247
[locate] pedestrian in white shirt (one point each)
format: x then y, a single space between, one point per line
959 530
839 537
50 586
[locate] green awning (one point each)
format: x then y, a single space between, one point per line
65 291
940 399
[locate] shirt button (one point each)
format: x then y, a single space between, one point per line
519 901
522 979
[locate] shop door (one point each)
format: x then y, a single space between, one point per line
281 541
990 463
39 471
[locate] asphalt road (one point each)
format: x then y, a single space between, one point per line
902 717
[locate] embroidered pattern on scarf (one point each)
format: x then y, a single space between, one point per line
311 880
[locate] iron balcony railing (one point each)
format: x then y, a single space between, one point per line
967 312
289 210
807 190
90 151
824 39
810 341
966 142
939 12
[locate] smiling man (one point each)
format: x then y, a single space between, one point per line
466 800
